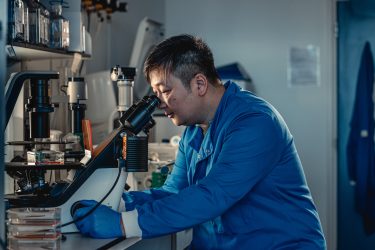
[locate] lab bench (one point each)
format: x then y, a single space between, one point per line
177 241
78 241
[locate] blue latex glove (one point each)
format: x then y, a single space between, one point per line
102 223
134 198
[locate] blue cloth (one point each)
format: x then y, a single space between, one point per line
102 223
134 198
360 147
252 193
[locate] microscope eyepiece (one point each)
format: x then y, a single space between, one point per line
138 116
154 100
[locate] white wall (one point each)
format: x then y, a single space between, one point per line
259 34
112 42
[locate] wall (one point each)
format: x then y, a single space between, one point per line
356 25
259 34
113 42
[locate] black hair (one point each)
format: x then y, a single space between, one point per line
184 56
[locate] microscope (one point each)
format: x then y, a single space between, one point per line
103 177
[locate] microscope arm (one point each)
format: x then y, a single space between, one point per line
14 86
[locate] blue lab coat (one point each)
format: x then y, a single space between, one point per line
239 186
360 147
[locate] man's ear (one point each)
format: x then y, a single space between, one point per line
200 84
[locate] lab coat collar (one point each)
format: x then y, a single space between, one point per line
195 141
230 89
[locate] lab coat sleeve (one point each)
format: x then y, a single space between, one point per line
249 151
176 181
132 199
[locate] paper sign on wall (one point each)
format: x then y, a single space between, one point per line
304 66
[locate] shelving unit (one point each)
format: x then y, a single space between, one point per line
26 51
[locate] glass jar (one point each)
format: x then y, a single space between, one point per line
39 23
34 22
59 27
16 23
45 25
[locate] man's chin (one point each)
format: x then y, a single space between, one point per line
176 121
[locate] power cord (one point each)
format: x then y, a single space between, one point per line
101 201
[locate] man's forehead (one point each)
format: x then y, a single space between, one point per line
158 78
157 82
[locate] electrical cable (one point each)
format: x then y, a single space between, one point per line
98 204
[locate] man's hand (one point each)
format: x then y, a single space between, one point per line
134 198
138 198
102 223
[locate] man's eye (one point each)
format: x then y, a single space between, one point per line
156 93
165 91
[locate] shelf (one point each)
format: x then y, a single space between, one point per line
25 51
19 166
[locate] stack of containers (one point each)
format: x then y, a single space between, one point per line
34 228
39 23
32 22
59 26
17 15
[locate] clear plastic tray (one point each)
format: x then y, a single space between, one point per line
33 223
33 229
28 214
34 235
33 243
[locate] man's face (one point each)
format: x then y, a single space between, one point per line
178 103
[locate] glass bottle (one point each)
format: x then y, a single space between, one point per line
16 20
39 23
45 26
59 26
34 21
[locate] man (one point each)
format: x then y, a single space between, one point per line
237 180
